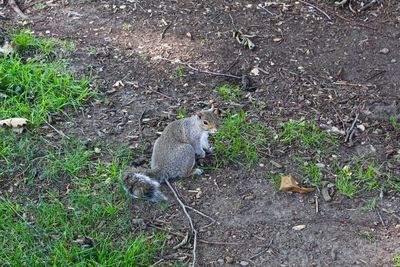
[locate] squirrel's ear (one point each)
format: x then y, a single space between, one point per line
199 114
217 111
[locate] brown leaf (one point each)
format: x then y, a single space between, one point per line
289 184
14 122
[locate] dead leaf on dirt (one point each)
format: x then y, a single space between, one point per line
255 71
115 87
244 39
299 227
289 184
14 122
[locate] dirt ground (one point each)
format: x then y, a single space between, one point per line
310 66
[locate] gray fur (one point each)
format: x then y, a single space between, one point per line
174 152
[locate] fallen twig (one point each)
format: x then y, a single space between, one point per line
350 131
262 251
190 222
160 93
16 8
380 217
140 125
374 75
209 242
355 22
367 6
317 8
166 28
203 71
201 213
266 10
58 131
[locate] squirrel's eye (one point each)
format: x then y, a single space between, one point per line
205 122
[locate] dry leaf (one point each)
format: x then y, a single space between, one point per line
118 84
299 227
255 71
289 184
14 122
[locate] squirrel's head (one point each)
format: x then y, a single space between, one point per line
209 119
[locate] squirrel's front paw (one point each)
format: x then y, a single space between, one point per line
202 154
197 172
211 150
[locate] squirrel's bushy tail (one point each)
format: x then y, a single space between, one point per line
139 185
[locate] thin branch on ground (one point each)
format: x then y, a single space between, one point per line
263 251
266 10
58 131
350 131
380 217
17 9
166 28
189 219
367 5
140 125
203 71
201 213
317 8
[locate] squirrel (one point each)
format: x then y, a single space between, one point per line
174 154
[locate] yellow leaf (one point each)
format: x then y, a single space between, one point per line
14 122
289 184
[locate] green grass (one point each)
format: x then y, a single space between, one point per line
370 206
39 6
182 113
26 42
396 261
345 184
66 206
230 92
358 178
306 134
276 180
240 141
36 88
312 174
180 72
394 122
81 216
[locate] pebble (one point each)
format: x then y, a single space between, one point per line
320 165
228 259
325 194
244 263
248 197
393 60
220 261
384 51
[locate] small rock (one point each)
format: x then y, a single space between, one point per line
393 61
384 51
325 194
220 261
229 260
276 164
299 227
361 127
320 165
244 263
